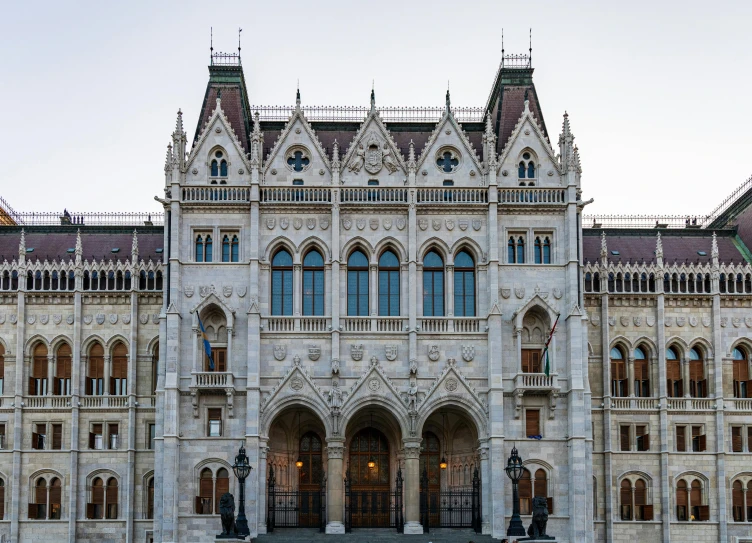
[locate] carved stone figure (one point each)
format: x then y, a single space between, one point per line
335 397
357 162
412 398
388 160
537 529
227 512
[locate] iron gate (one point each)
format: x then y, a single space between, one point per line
374 508
454 508
295 509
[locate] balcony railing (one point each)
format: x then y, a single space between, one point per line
634 403
451 196
286 195
739 404
463 325
532 195
382 195
212 379
219 194
691 404
103 401
298 324
47 401
534 381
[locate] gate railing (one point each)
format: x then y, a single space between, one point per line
373 508
453 508
295 509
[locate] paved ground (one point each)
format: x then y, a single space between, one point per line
375 536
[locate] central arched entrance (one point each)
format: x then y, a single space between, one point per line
369 481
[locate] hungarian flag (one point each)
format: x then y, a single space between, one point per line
207 345
545 349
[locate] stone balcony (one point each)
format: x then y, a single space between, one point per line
635 403
212 383
535 383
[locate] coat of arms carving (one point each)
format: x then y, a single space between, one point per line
693 321
280 352
681 321
374 224
449 224
423 223
557 293
297 223
706 322
436 223
433 352
624 321
505 292
402 223
390 352
311 223
284 222
44 319
374 156
477 223
637 321
126 318
748 321
57 319
387 223
227 291
100 318
612 321
594 320
724 322
143 318
346 223
314 352
360 223
188 291
468 353
463 224
89 318
356 351
113 318
2 318
271 222
650 320
669 321
736 321
14 318
519 292
324 223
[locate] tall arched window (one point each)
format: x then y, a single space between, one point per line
310 475
38 377
119 373
673 374
150 498
208 249
225 248
634 501
619 386
546 250
62 383
433 285
235 249
389 285
737 502
742 383
199 248
526 168
641 374
205 498
223 168
95 375
313 283
625 499
111 499
357 284
698 384
511 253
282 283
682 501
221 486
219 165
540 488
520 250
47 499
525 490
464 285
699 510
214 168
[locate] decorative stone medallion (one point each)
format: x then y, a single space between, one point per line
681 321
463 224
284 222
346 223
227 291
433 352
143 318
88 319
436 223
2 318
748 321
693 321
356 351
324 223
637 321
449 224
374 385
280 352
387 224
242 291
296 383
624 320
100 318
155 318
706 321
69 319
594 320
31 319
423 223
519 292
477 223
13 318
612 321
451 384
360 223
390 352
650 320
505 292
736 321
402 223
724 321
126 318
297 223
669 321
374 224
557 293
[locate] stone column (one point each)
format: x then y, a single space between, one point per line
630 375
335 450
261 492
50 372
685 375
297 289
449 294
106 384
412 486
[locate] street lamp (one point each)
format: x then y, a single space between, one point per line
242 470
514 471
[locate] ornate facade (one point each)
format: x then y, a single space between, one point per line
377 289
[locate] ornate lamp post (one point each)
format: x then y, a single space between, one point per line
514 472
242 470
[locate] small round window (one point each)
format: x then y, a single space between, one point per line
448 160
526 156
218 154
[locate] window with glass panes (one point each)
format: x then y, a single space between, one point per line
310 475
464 285
641 374
119 371
674 381
698 384
38 378
95 374
313 283
433 285
62 383
282 283
357 284
618 373
742 382
389 285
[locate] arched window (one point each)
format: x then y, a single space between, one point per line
221 486
700 511
62 383
199 248
369 445
641 374
150 498
95 375
430 452
119 373
235 249
742 383
546 250
219 164
464 285
530 170
526 167
214 168
225 248
511 253
520 250
673 374
282 283
47 499
310 475
525 490
433 285
540 488
619 386
682 501
223 168
313 283
625 499
357 284
521 170
111 499
154 369
737 502
205 498
389 285
38 377
208 249
698 384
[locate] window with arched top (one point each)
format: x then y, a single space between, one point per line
741 380
526 169
641 373
150 498
741 502
47 499
62 383
205 499
357 284
310 453
38 375
221 487
619 386
698 383
219 164
95 372
389 285
674 381
119 370
430 453
530 487
282 283
433 285
542 250
225 248
203 248
234 249
634 501
690 501
464 285
313 283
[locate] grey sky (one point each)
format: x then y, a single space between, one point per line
657 91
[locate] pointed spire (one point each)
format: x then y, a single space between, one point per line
336 164
256 137
179 122
79 247
168 158
659 249
412 164
565 129
134 248
22 247
566 146
489 138
604 248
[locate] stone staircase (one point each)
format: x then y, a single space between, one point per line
383 535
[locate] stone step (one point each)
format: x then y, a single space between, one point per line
373 535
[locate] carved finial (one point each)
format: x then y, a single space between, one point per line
490 140
373 97
257 124
604 247
336 164
134 248
714 249
576 154
179 122
297 97
22 246
565 130
168 158
448 101
79 247
658 247
412 165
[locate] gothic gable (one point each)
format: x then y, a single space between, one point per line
298 154
374 387
373 154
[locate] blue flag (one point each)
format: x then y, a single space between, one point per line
207 345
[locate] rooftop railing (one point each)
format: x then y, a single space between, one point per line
66 218
358 113
644 221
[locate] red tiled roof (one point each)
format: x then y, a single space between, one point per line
232 105
512 106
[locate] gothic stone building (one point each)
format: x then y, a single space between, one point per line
377 286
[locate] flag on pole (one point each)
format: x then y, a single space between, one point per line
547 369
207 345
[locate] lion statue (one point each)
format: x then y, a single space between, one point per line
537 529
227 512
